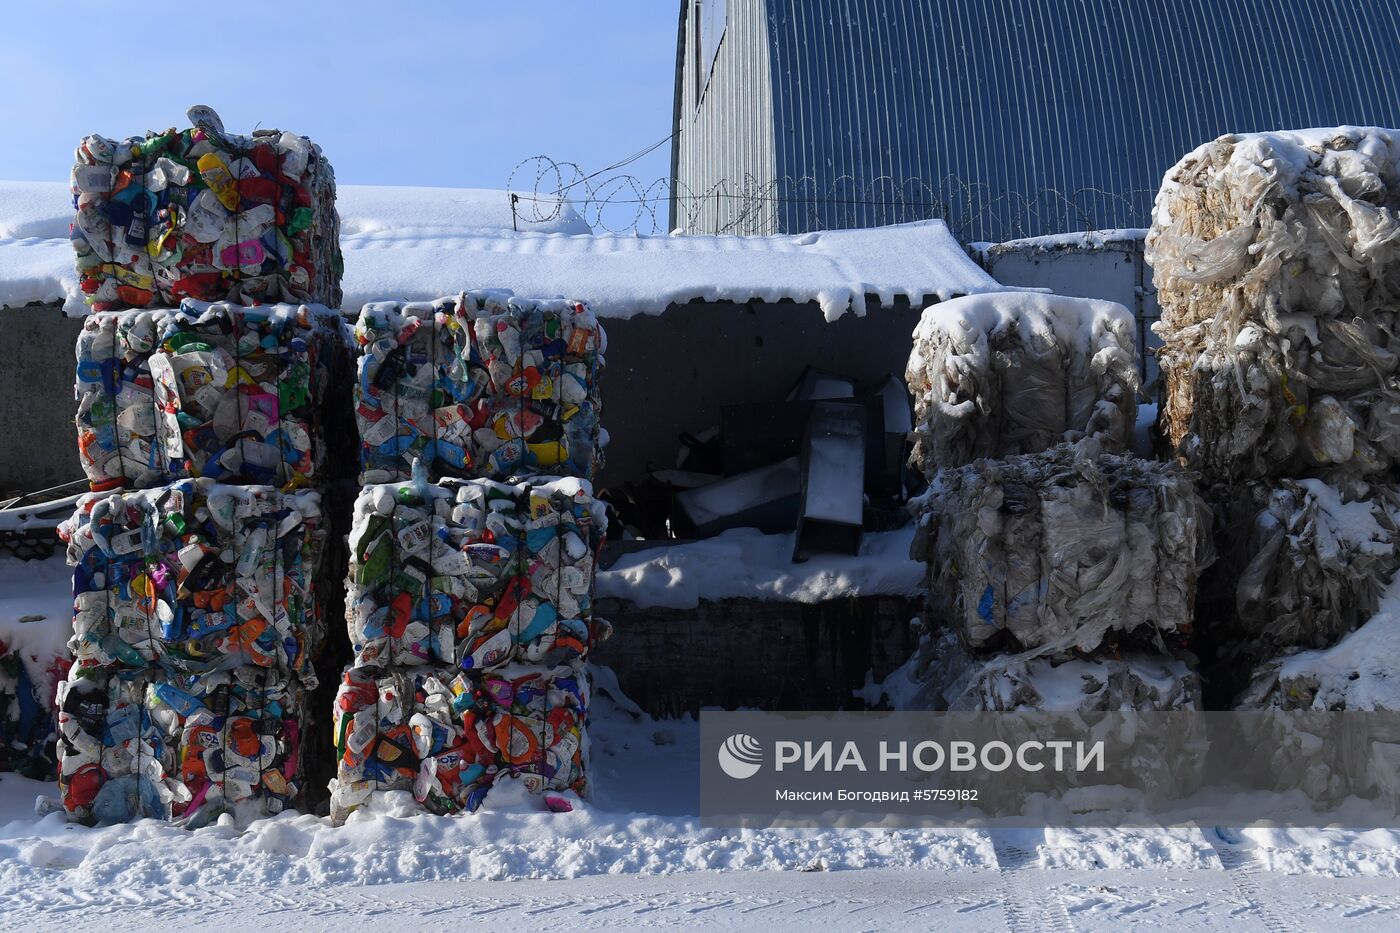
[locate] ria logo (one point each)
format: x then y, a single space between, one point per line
740 756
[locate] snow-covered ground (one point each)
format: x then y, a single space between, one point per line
743 563
637 856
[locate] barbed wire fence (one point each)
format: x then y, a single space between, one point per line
541 189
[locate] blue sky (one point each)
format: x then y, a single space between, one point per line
408 93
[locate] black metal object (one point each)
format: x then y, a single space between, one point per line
28 522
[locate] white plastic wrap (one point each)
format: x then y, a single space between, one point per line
1310 559
1063 550
1275 259
1357 673
1010 683
1018 372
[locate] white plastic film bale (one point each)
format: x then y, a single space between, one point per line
1310 559
1275 261
1063 550
1357 673
1018 372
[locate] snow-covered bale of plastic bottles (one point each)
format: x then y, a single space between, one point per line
205 214
481 385
1018 372
196 576
474 574
1063 550
1275 257
236 394
186 747
1310 559
447 736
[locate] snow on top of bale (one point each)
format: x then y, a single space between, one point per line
420 243
1279 157
1016 372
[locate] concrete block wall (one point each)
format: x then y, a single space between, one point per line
37 439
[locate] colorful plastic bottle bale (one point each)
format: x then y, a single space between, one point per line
415 388
474 574
26 723
195 576
448 735
205 214
482 385
209 390
542 408
114 761
538 719
420 730
237 740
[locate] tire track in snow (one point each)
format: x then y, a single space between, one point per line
1029 903
1245 872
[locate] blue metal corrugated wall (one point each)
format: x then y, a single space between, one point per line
1023 117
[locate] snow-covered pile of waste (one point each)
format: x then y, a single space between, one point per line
1310 559
1063 550
1018 372
1357 673
1275 259
1134 682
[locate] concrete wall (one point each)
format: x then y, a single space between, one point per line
743 653
37 439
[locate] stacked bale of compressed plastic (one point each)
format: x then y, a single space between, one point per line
1315 557
470 599
473 573
1062 550
482 385
1043 541
205 214
447 735
200 427
998 375
1275 257
195 623
231 393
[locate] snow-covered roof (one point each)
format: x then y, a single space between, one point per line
422 243
1077 240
